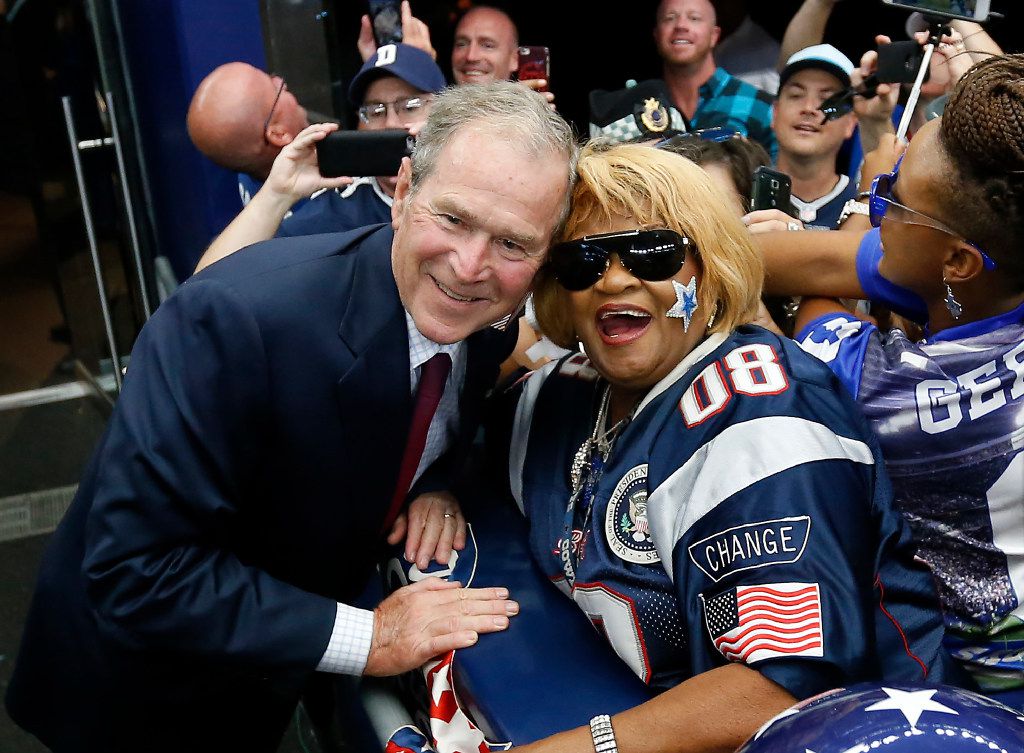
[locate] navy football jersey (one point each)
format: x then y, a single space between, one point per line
823 213
949 415
742 516
360 203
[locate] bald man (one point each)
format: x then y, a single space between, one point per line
486 47
241 117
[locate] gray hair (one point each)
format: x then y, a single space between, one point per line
506 109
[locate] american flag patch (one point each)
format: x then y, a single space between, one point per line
754 623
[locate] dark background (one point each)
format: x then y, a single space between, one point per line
600 46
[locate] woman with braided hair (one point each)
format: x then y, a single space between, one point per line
948 252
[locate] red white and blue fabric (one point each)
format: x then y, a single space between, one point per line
752 623
450 728
746 465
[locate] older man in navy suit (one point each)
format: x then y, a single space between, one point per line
236 503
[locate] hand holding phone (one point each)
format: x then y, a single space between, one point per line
770 190
534 63
386 19
361 153
900 62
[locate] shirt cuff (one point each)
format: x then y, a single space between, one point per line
349 647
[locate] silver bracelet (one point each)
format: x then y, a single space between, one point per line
603 734
853 206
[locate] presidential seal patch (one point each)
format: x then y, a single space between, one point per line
625 522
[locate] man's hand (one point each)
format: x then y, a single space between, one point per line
414 33
769 221
874 114
433 527
537 84
295 173
430 618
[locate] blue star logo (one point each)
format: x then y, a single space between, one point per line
686 302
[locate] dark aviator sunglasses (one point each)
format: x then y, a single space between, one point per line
651 255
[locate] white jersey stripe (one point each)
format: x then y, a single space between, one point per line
741 455
521 429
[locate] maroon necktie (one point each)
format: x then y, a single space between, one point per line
433 375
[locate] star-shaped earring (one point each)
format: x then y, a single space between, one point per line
686 302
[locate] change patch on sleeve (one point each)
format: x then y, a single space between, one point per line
750 546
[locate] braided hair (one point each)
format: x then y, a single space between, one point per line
982 131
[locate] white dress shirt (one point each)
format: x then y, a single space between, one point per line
349 646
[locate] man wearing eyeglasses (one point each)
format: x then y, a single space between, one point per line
240 118
393 89
280 411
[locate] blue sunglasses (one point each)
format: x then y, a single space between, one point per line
882 204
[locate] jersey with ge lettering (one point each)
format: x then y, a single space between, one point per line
949 415
742 516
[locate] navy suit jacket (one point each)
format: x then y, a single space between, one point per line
238 493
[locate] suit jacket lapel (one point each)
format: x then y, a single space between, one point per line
374 394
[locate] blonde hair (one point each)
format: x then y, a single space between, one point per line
659 189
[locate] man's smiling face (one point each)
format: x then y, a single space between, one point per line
685 31
470 239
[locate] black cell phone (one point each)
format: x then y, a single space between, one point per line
359 153
899 63
771 190
969 10
386 19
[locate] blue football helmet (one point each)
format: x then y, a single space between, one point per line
893 718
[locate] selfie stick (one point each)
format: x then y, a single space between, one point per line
937 29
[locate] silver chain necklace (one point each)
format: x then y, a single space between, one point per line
599 439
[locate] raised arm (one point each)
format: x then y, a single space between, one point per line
294 176
976 40
414 33
822 264
806 28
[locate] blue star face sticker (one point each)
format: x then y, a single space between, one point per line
686 302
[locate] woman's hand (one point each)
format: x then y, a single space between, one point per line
432 528
296 173
770 220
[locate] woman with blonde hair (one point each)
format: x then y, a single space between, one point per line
702 489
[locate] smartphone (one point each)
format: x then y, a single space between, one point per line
770 190
900 62
534 62
386 19
969 10
359 153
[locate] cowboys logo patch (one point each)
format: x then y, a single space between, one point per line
625 522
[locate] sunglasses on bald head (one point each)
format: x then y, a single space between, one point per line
651 255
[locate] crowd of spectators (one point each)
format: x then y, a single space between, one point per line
731 99
846 368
